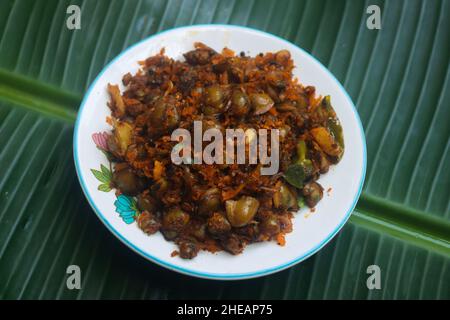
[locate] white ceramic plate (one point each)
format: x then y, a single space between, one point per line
311 230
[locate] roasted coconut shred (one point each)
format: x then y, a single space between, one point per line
219 206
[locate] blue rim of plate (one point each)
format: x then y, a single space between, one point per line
205 275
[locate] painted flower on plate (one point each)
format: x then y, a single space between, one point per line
100 140
126 208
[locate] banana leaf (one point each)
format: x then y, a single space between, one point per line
398 77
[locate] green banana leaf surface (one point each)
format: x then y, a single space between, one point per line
398 77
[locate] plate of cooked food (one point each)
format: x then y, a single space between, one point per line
219 151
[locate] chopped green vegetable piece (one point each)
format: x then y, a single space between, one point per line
326 102
300 202
301 151
295 175
308 167
336 131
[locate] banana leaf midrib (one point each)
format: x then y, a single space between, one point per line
371 212
34 95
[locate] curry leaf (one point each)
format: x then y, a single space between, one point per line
295 175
